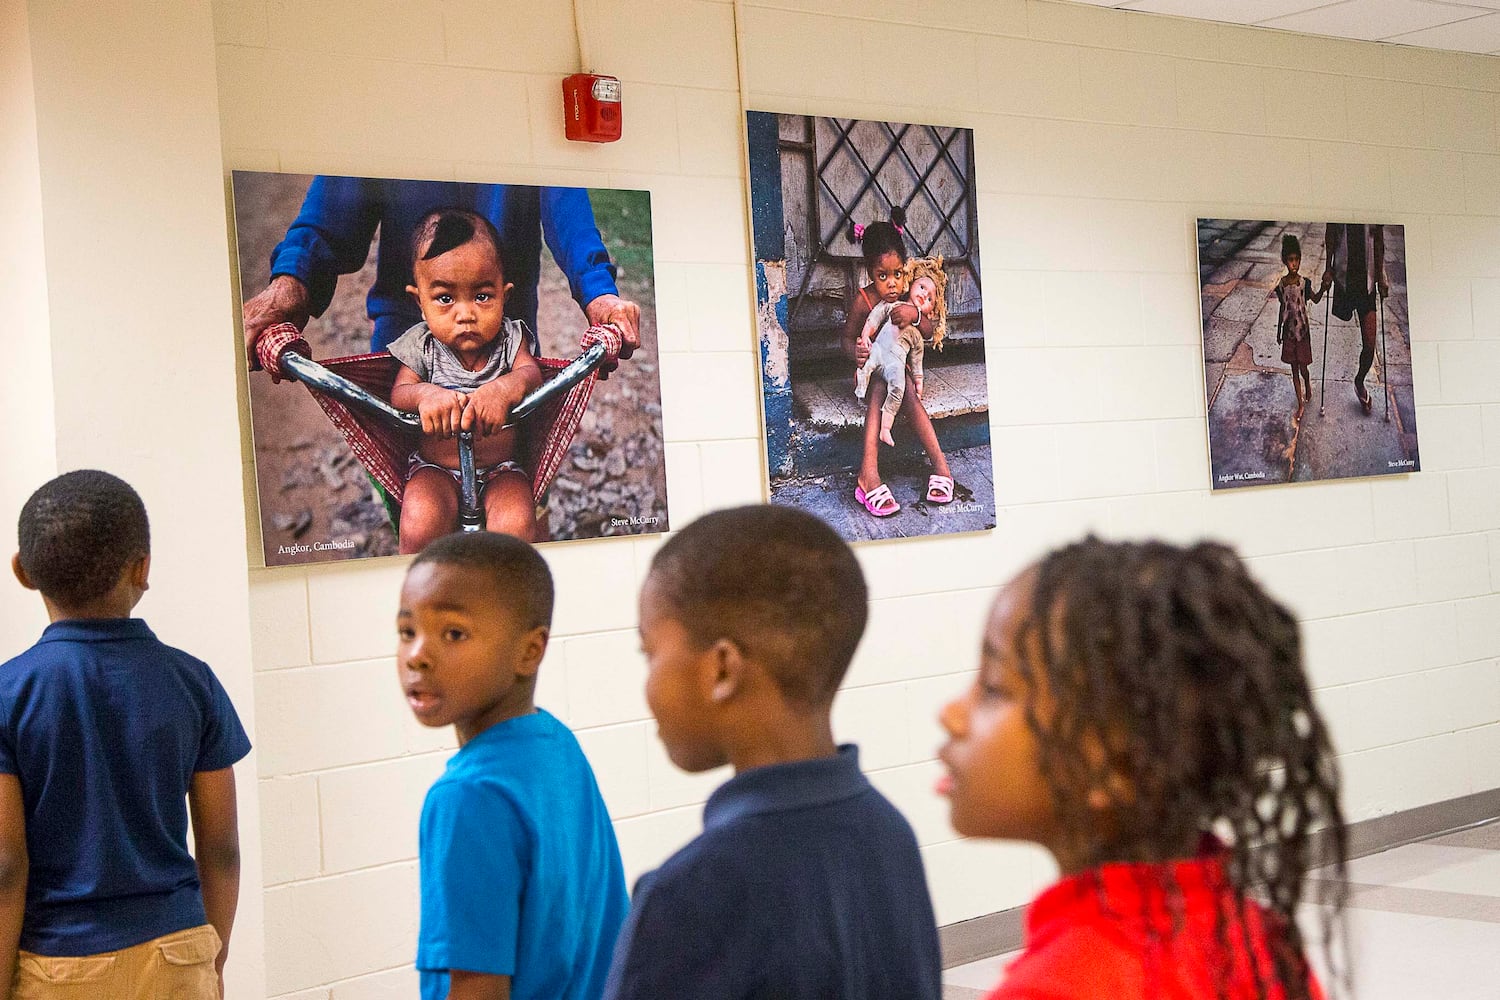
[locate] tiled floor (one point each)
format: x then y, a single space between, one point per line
1424 924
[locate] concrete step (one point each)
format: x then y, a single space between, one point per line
824 344
947 391
829 434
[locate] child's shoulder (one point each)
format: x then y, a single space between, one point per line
514 765
414 344
728 855
711 880
1081 960
466 797
749 841
128 639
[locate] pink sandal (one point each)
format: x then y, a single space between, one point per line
940 489
878 501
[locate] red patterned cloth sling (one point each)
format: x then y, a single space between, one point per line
384 448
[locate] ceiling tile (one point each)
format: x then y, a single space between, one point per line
1230 11
1477 34
1373 20
1454 25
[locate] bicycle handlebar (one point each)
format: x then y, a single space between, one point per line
311 373
471 518
573 373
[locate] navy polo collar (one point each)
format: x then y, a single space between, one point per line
783 787
96 630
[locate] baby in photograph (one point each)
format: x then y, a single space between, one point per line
464 368
895 344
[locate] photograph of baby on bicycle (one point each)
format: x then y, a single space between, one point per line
475 355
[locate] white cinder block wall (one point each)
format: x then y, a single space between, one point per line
32 457
1101 135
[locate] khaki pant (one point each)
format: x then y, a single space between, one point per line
178 966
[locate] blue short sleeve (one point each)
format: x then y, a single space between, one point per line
224 741
473 862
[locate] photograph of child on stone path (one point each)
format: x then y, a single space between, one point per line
1306 351
334 256
871 324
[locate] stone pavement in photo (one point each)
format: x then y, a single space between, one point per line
1254 435
831 497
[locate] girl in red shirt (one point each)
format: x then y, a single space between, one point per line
1141 711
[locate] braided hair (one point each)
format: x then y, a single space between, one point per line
1189 677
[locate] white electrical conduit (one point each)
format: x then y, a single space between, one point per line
584 65
742 72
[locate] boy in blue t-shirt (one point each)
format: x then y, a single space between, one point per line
108 738
523 892
805 883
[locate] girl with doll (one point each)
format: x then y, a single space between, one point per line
886 264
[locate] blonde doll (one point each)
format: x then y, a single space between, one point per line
894 345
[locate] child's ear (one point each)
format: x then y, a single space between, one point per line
20 571
728 665
414 293
533 648
505 292
140 573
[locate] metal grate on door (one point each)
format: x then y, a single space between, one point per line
864 168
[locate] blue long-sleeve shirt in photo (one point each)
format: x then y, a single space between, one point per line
340 215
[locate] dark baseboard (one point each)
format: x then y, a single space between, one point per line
992 934
996 933
1371 836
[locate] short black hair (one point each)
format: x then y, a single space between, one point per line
447 229
1290 245
519 572
778 582
79 532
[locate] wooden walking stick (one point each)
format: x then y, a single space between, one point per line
1385 374
1327 305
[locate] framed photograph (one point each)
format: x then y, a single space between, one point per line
871 324
446 301
1306 351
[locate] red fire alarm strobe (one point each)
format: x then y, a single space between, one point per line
591 108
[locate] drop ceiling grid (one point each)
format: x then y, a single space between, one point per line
1470 26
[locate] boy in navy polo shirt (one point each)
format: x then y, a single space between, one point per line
806 883
523 892
107 737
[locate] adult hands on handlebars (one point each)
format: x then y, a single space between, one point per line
625 316
284 300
